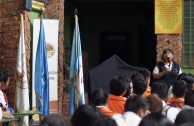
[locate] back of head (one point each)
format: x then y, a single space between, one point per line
155 103
186 124
118 85
54 120
135 103
189 80
155 119
181 76
139 86
137 75
160 88
189 98
179 88
145 72
99 97
186 115
85 115
105 121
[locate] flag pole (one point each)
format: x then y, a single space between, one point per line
76 54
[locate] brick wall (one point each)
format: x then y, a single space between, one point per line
173 42
9 38
55 10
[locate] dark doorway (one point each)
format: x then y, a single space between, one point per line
115 43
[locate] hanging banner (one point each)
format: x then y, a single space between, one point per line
51 28
168 16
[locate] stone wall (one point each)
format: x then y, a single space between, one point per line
173 42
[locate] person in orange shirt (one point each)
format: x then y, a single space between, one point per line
146 73
118 87
179 90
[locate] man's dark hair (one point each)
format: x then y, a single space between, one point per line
118 85
189 98
54 120
189 80
160 87
4 75
99 97
135 103
145 72
139 86
137 75
179 88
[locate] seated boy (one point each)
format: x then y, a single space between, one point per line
118 87
4 83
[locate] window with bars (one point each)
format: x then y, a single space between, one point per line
188 36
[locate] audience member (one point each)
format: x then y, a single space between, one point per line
139 86
129 91
189 100
4 83
155 103
136 108
185 116
160 88
105 121
85 115
146 73
179 90
155 119
54 120
118 87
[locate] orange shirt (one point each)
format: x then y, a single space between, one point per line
176 102
107 111
116 103
147 92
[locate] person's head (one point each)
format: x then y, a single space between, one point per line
139 86
137 104
4 80
146 73
179 88
129 90
190 82
105 121
99 97
137 75
187 124
155 119
167 53
118 85
185 115
85 115
180 76
155 103
160 88
189 98
54 120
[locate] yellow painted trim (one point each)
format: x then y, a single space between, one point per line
38 6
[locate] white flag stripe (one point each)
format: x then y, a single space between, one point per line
22 96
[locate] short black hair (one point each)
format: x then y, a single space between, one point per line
135 103
137 75
160 87
99 97
4 75
139 86
186 115
54 120
179 88
118 85
105 121
189 80
85 115
189 98
145 72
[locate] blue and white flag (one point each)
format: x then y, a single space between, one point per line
41 76
77 96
